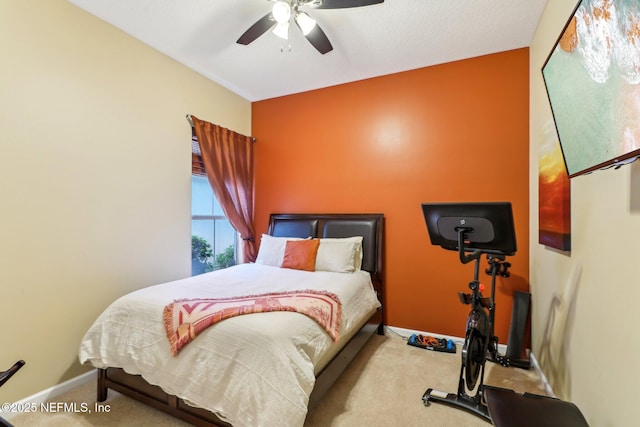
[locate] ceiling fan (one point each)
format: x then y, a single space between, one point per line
284 11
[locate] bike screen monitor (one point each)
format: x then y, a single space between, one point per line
487 226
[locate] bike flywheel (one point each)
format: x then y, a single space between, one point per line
473 354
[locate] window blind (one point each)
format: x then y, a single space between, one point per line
197 166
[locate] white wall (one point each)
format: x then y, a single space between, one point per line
94 177
594 364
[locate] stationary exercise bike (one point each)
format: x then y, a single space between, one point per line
474 230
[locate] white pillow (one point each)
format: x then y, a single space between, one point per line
271 250
340 255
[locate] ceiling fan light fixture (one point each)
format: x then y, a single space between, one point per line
281 12
305 22
282 30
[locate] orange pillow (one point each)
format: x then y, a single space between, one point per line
301 254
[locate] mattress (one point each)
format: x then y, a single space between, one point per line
250 370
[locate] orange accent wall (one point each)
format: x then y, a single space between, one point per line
452 132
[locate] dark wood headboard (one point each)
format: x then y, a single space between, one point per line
369 226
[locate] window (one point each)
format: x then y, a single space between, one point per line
213 239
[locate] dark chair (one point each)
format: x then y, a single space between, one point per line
4 377
510 409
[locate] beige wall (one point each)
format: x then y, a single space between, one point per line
94 177
596 345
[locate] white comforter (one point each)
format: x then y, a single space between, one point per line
251 370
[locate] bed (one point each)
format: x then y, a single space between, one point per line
264 369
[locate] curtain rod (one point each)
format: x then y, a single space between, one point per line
253 139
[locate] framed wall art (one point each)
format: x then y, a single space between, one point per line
592 77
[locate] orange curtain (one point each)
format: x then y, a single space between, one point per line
228 163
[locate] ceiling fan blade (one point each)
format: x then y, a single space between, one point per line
343 4
257 29
318 39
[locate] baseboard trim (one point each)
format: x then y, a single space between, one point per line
51 393
406 333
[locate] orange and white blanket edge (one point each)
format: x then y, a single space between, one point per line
186 319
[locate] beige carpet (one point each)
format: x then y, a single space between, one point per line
382 387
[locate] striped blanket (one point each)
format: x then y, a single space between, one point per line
185 319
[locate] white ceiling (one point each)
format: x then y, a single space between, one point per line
395 36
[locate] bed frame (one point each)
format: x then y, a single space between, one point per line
370 226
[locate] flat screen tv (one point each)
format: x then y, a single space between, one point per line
491 224
592 78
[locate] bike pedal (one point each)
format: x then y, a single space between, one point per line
464 298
